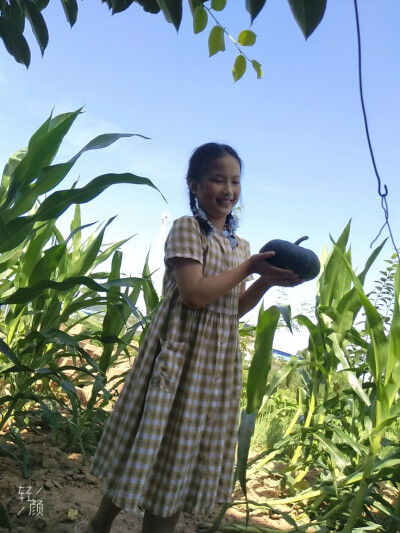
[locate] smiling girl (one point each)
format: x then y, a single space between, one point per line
170 441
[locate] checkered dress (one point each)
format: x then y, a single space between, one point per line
169 443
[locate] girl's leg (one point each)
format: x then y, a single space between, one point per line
153 523
103 519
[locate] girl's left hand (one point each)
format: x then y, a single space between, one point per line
280 277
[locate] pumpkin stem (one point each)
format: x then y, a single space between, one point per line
301 239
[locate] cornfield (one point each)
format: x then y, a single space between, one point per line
56 302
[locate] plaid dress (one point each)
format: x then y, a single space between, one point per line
169 444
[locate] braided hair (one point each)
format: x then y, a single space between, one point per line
199 164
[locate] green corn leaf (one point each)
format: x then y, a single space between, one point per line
377 352
85 263
261 362
79 304
18 229
41 151
338 457
76 234
149 293
27 294
354 382
38 24
200 19
347 439
15 42
316 344
6 350
33 253
254 7
12 163
103 256
247 38
114 318
308 14
393 363
335 281
48 264
216 40
54 205
246 430
239 67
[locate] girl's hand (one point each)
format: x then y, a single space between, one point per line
271 274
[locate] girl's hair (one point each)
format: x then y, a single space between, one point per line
199 164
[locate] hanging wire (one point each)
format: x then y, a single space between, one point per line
382 193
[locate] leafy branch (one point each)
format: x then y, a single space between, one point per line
14 14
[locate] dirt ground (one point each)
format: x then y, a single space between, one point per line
60 495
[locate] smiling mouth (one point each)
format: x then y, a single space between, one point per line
224 202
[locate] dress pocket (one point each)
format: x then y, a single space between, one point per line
168 365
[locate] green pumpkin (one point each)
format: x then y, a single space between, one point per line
291 256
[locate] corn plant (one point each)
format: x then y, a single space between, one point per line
50 283
348 399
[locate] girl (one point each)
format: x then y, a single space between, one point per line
169 443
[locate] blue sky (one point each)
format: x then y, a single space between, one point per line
299 130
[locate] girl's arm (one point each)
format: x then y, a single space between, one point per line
197 291
250 297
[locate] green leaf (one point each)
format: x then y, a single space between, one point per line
200 19
247 38
38 25
254 7
85 262
338 458
257 68
13 12
6 350
308 14
216 40
239 67
218 5
261 363
42 148
354 382
246 430
15 42
41 4
17 230
172 10
58 202
70 10
46 266
120 5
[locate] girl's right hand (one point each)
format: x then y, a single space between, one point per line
273 275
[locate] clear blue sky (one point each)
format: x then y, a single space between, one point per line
299 130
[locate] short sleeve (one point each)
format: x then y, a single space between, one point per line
184 240
246 255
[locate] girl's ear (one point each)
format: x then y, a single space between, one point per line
193 186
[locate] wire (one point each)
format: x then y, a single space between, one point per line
383 194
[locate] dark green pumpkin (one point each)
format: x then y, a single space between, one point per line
289 255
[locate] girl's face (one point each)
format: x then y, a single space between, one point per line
219 190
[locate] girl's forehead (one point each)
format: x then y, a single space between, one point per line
226 164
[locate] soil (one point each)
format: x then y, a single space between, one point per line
60 495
